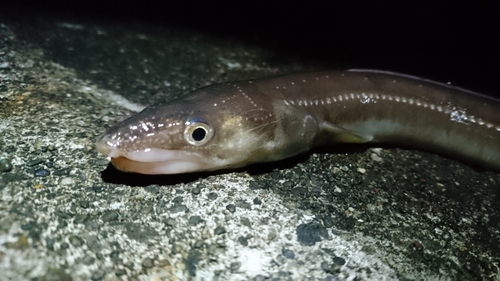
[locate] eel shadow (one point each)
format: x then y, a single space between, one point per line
113 175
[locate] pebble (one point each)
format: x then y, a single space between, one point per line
219 230
310 233
376 158
177 200
199 243
171 222
5 165
148 263
194 220
212 196
114 254
152 189
289 254
245 221
338 261
50 196
61 172
334 267
231 208
84 204
243 241
109 216
76 241
80 219
82 177
63 224
34 162
255 185
191 262
196 190
235 266
41 173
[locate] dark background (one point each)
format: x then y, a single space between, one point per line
441 40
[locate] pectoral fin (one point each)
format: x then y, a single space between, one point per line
344 135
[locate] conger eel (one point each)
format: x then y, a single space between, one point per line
234 124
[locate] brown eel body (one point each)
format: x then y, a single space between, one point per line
234 124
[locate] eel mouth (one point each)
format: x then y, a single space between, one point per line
154 161
155 168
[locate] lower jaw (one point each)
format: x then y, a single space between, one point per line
155 168
126 165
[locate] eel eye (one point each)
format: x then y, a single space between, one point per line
197 132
